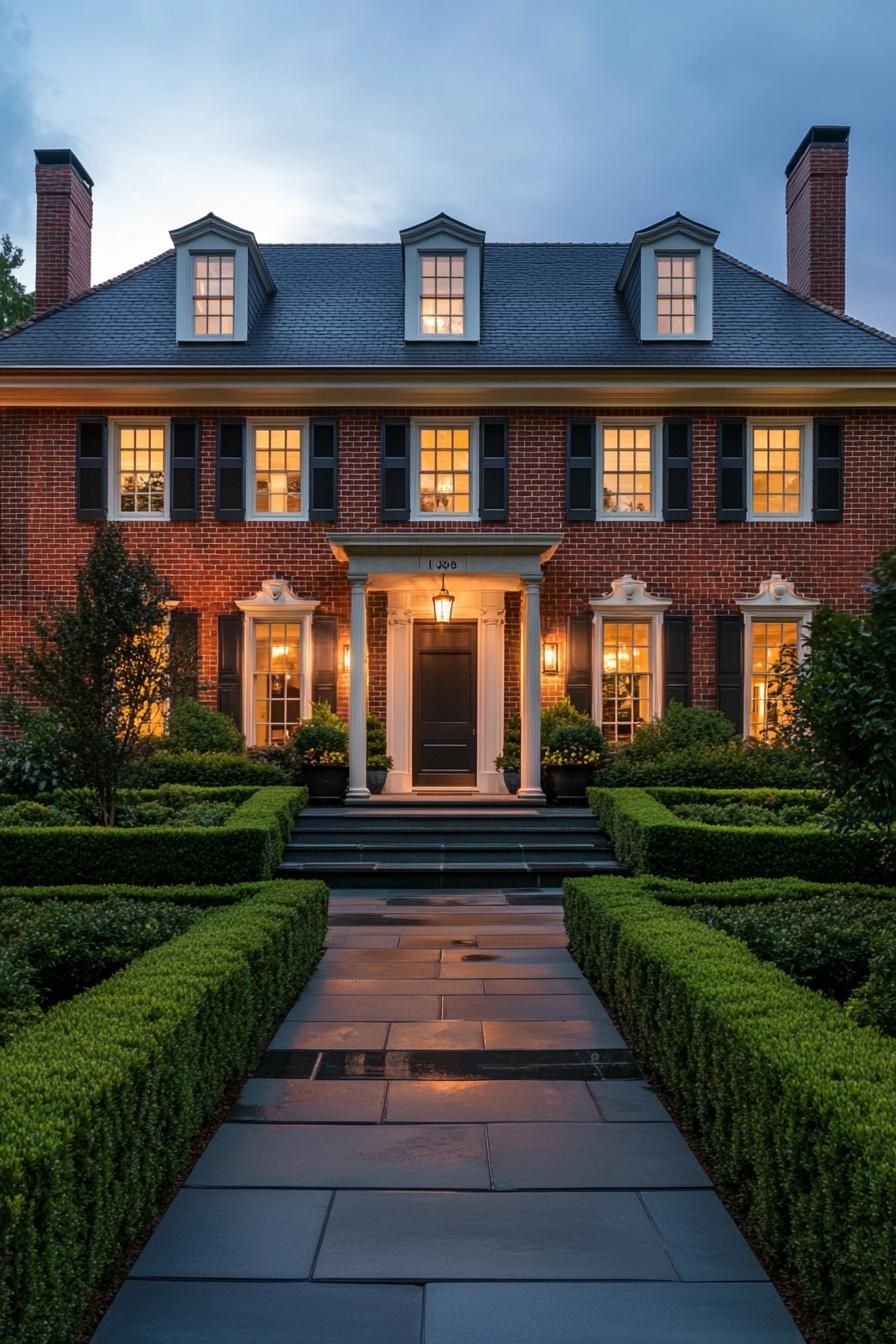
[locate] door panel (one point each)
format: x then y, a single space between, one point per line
444 703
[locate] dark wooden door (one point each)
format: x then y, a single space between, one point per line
444 703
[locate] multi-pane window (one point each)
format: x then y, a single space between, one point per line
278 469
141 470
676 295
442 295
626 690
277 682
445 470
774 646
212 294
777 470
627 459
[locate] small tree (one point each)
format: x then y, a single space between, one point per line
843 701
103 666
15 303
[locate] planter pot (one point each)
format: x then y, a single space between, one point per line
376 780
511 780
325 783
567 783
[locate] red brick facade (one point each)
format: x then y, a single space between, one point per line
816 222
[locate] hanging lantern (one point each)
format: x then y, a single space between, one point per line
442 605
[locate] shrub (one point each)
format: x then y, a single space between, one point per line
204 768
320 740
649 838
194 727
377 756
246 848
679 729
770 811
561 714
36 760
793 1104
509 758
149 1052
19 1003
874 1003
574 744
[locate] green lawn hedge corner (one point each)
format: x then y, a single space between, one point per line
247 848
649 838
101 1102
794 1105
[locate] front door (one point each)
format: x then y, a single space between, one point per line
445 703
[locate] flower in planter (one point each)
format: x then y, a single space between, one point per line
316 756
572 756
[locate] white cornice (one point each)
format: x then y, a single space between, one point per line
629 593
777 593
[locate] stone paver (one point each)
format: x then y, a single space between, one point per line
448 1141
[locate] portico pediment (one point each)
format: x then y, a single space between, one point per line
384 556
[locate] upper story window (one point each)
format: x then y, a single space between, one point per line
139 470
628 470
445 462
676 294
442 280
277 460
213 294
779 485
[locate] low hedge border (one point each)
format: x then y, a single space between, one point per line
198 896
247 848
794 1105
101 1102
649 838
206 768
754 890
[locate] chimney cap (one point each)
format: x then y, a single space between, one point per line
817 135
54 158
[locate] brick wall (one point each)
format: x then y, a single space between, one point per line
816 224
64 219
701 565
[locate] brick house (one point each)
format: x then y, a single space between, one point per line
636 469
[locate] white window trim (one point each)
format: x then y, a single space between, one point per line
629 600
776 600
783 422
115 513
656 461
275 601
441 244
445 422
212 244
277 422
677 244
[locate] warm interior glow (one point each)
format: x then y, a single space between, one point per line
772 642
445 469
277 681
141 469
278 469
777 470
627 469
676 295
212 295
442 296
627 678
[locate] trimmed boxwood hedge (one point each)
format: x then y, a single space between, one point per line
247 848
207 768
754 890
101 1102
200 896
649 838
794 1105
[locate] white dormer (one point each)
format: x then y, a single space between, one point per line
442 280
222 281
666 280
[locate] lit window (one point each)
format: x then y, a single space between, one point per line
445 470
213 295
777 471
442 295
278 469
626 678
676 295
627 469
140 474
774 644
277 681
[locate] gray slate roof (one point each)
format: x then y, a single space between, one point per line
543 304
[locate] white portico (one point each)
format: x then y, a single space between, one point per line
463 663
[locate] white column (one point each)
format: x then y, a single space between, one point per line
490 660
399 634
357 709
530 763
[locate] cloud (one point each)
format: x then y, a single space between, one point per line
16 119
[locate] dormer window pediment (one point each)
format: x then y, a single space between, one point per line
667 280
442 280
222 281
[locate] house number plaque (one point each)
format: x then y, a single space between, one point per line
443 565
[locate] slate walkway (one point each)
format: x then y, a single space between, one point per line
447 1143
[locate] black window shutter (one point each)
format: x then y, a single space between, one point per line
730 667
231 501
395 471
579 644
183 640
184 471
828 460
580 471
324 656
230 666
324 502
90 470
677 659
677 471
493 471
732 506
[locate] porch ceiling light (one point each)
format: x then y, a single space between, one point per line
443 604
550 658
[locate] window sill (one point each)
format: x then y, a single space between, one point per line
778 518
276 518
444 518
139 518
628 518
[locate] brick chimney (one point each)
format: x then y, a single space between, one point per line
816 215
64 221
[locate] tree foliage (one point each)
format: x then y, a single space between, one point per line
15 302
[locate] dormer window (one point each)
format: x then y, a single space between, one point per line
676 294
666 281
222 281
213 293
442 280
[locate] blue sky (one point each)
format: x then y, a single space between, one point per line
573 120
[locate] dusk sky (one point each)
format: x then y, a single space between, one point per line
348 120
